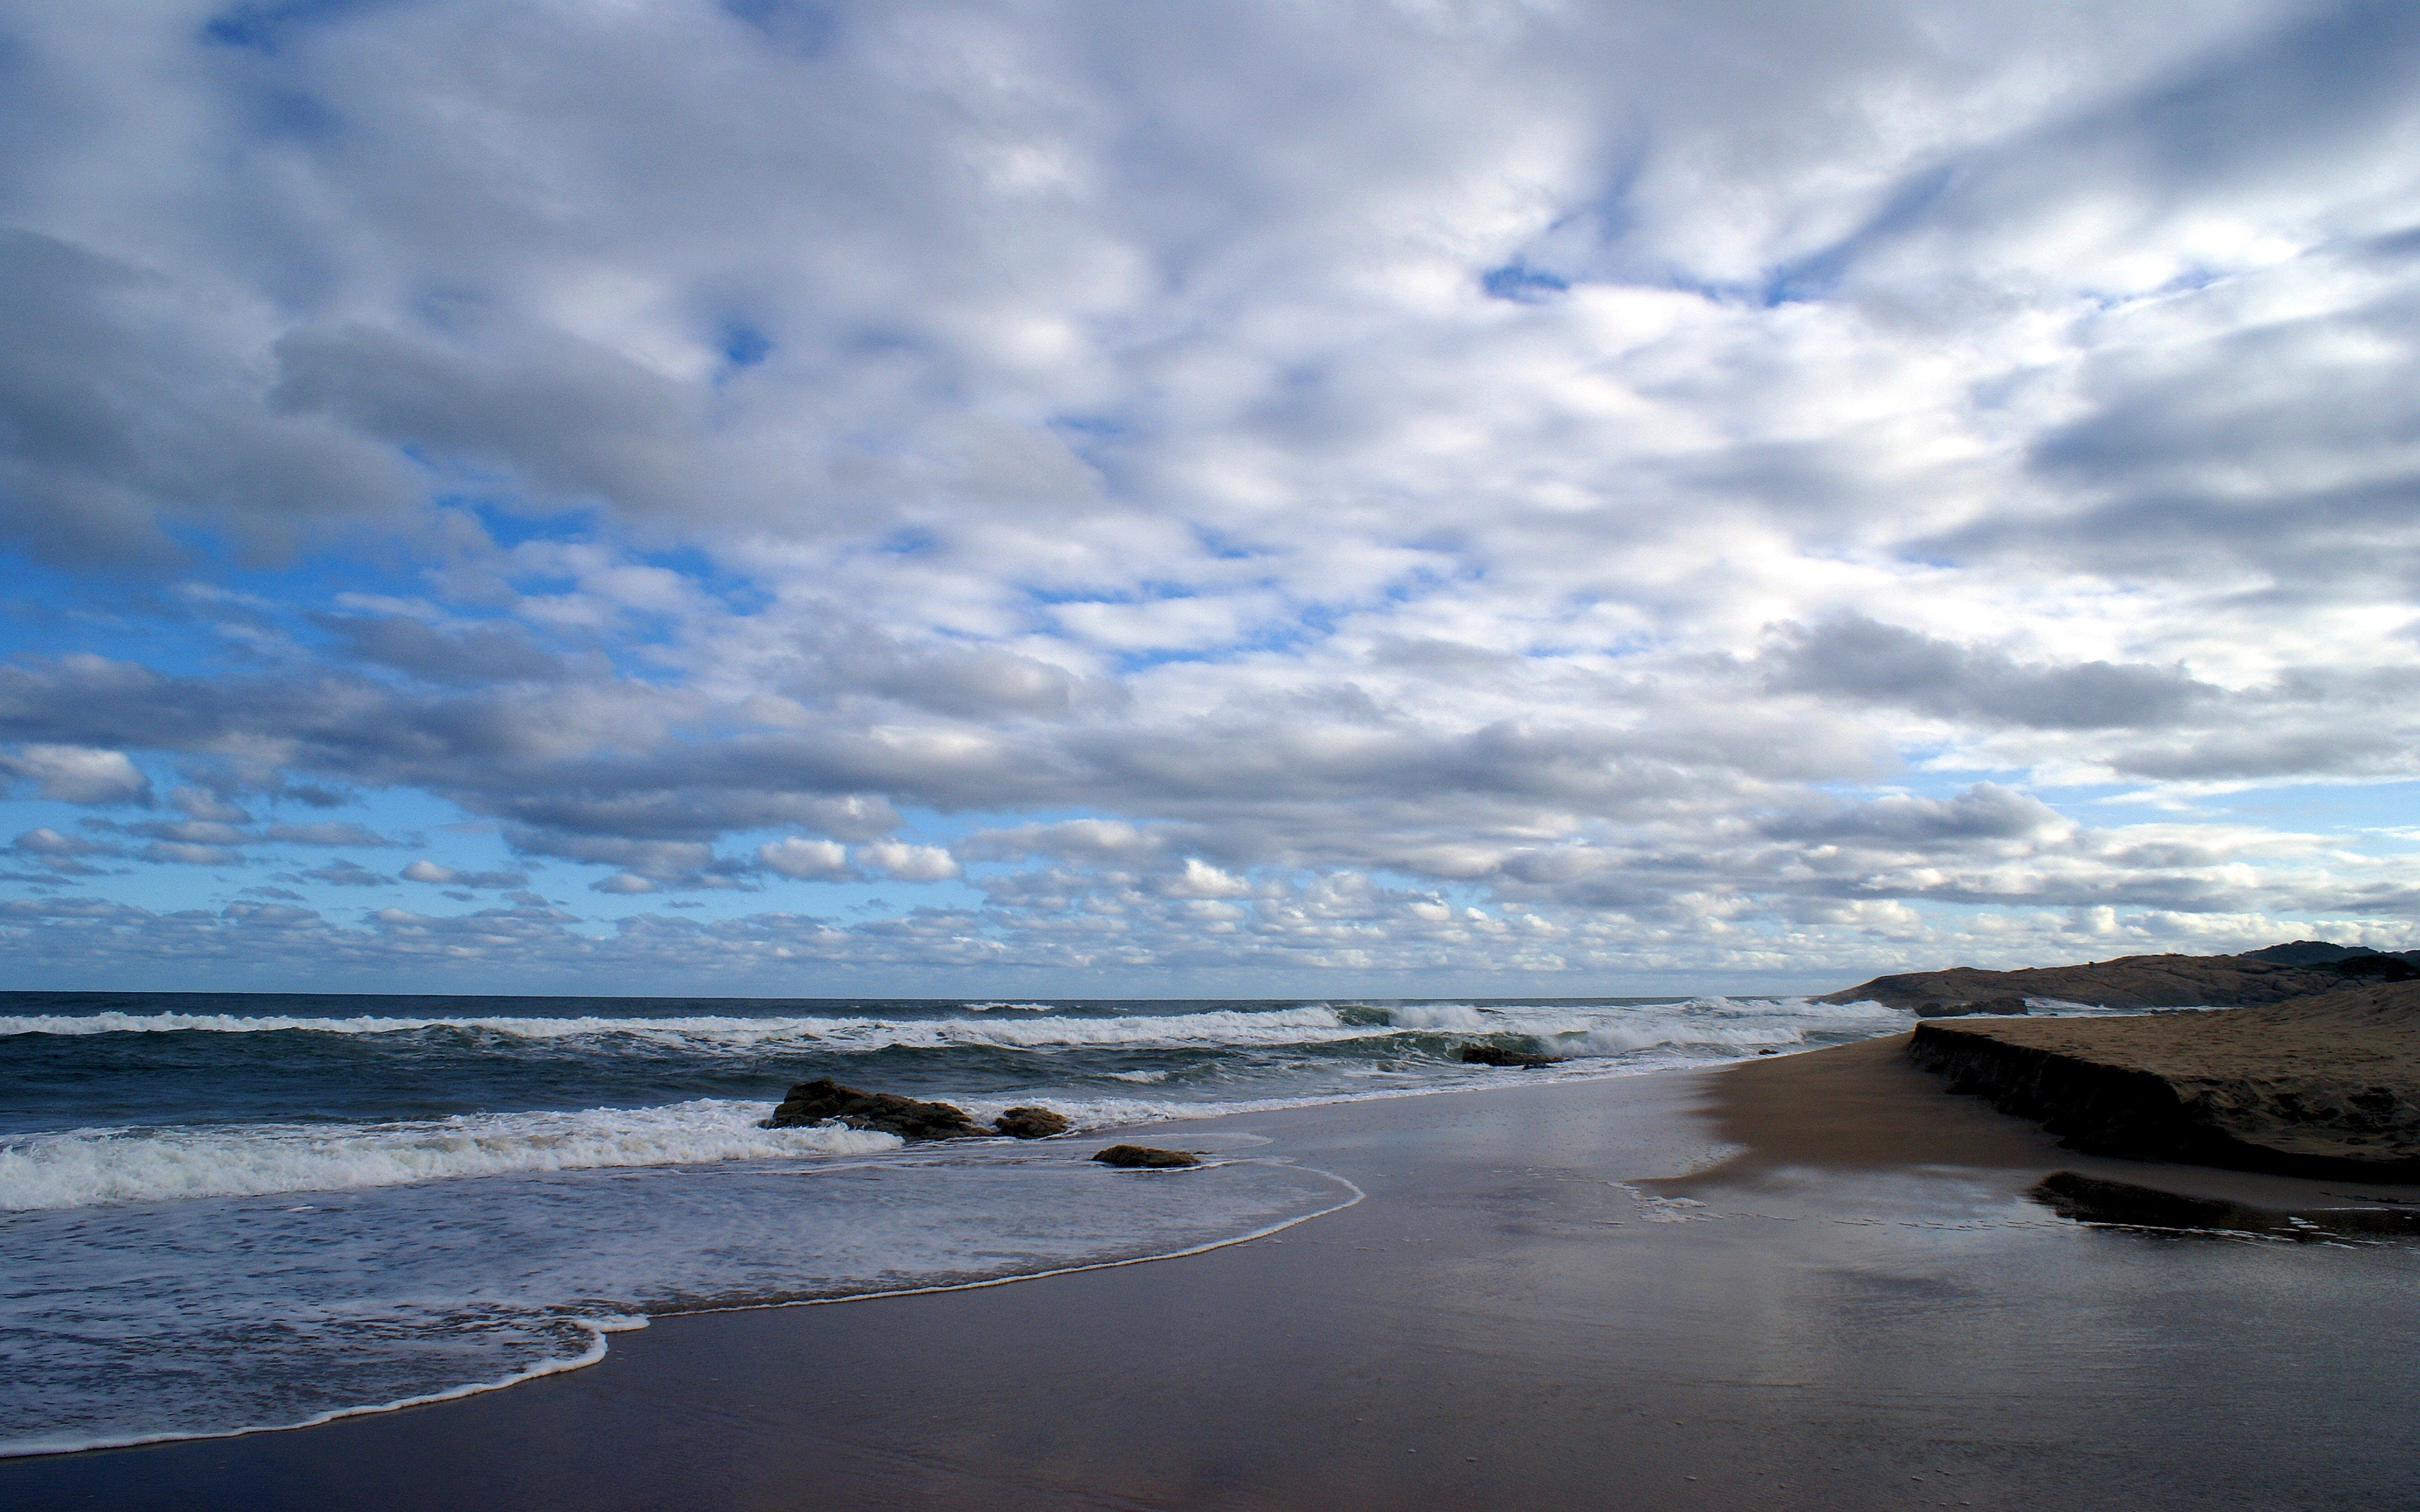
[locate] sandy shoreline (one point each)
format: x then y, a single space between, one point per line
1805 1281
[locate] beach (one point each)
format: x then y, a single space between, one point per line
1808 1280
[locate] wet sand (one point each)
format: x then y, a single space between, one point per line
1851 1305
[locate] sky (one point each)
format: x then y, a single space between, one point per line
1163 498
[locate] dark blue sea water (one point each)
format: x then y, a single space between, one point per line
228 1212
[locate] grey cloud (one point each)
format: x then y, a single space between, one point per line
1982 812
122 412
181 831
682 795
578 421
655 862
180 853
200 802
970 682
326 832
2272 754
210 832
46 841
1886 663
1096 840
65 856
342 873
476 654
2281 109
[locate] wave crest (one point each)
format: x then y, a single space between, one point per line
86 1168
1223 1027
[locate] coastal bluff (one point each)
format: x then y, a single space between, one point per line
2136 981
2322 1085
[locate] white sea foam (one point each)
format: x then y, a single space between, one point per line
593 1330
1445 1016
189 1318
84 1168
1602 1029
707 1032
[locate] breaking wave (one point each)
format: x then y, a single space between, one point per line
85 1167
714 1031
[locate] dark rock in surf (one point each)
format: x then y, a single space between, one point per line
2014 1007
1487 1055
1143 1157
1030 1123
882 1112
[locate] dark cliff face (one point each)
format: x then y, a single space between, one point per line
2327 1085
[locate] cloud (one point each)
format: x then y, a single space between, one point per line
477 653
76 774
202 803
901 862
181 853
45 841
429 871
344 873
1983 812
326 832
1585 492
61 855
805 860
1885 664
132 410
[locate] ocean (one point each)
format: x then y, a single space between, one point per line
227 1211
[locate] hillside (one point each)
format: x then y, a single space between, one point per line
2270 976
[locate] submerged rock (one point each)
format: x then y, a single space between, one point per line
1143 1157
1030 1123
1487 1055
882 1112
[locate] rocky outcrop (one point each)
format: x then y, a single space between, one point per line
1143 1157
1488 1054
887 1113
2326 1085
1030 1123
